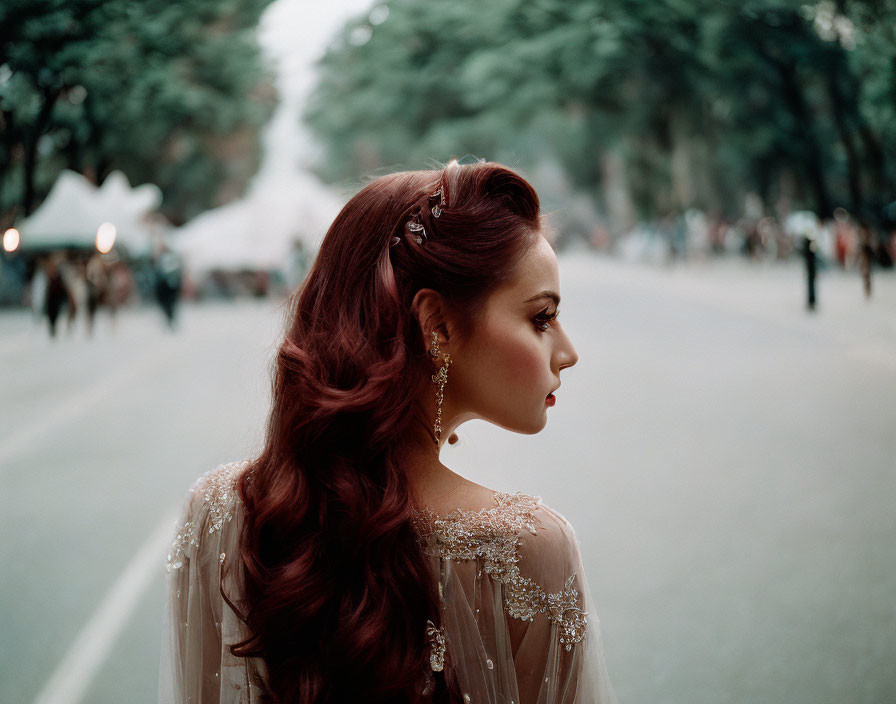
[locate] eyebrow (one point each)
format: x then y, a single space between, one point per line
555 297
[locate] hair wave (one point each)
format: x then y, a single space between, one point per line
337 588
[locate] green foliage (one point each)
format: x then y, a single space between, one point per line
172 93
702 100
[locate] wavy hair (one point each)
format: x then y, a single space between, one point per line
337 587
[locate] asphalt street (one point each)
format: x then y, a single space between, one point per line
727 459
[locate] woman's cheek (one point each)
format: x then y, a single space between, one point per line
522 359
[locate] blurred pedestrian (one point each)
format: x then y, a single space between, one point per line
808 248
866 256
37 290
298 264
97 287
169 276
57 294
841 236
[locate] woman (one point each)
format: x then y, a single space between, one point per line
347 563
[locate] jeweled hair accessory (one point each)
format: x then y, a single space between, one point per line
417 230
437 208
413 225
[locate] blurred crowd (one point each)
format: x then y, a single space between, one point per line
71 284
62 286
843 241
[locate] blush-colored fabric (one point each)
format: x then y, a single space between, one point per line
518 624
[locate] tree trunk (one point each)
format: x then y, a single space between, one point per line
839 108
796 102
875 159
6 158
30 162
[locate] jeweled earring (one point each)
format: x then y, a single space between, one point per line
440 378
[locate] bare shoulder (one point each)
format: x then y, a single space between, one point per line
460 494
472 496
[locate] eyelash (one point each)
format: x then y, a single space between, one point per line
542 319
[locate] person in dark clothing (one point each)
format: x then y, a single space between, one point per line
97 284
58 293
808 249
168 273
866 256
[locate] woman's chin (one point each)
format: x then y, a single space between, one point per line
539 424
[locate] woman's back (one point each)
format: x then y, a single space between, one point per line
517 623
358 566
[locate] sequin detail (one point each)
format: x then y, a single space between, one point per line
218 486
186 535
564 609
219 495
491 534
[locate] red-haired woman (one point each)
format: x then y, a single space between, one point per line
346 563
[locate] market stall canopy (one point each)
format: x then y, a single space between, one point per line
258 232
284 202
75 208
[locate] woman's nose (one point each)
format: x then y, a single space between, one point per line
569 356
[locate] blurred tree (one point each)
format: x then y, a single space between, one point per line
156 89
702 101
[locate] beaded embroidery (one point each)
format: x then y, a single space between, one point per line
435 636
491 534
185 536
217 489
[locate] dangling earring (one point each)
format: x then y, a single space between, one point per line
440 378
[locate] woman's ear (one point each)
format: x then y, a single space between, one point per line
432 314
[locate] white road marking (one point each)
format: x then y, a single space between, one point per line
90 649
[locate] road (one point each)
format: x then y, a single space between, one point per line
726 458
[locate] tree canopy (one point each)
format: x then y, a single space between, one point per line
172 93
700 101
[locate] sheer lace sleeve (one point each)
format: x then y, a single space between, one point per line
196 664
553 625
518 622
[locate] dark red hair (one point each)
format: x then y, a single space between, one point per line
337 588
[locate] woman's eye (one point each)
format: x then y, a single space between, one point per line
542 320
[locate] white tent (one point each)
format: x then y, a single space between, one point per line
258 232
284 202
75 208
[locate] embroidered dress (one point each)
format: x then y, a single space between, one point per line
518 625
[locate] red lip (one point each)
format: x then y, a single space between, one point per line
550 400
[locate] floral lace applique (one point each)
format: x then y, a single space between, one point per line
564 609
218 486
491 534
219 495
186 535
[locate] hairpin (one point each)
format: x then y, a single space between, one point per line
412 227
418 228
415 228
437 208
